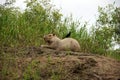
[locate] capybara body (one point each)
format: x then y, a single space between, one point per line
65 44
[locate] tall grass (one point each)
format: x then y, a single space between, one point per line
21 29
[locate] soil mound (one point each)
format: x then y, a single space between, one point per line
46 64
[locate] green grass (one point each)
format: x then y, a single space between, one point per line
32 71
23 29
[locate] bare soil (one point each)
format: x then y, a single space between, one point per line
50 64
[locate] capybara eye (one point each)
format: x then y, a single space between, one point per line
50 35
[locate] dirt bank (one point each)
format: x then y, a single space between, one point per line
46 64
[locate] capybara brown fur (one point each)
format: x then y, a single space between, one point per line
65 44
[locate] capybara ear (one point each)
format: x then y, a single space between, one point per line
54 34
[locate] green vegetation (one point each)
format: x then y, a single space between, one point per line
20 29
24 29
32 71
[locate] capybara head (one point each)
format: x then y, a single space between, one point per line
49 38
